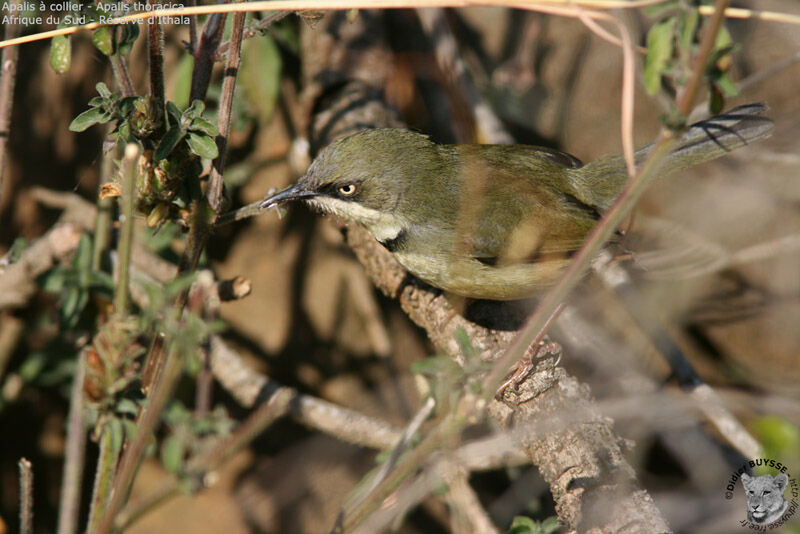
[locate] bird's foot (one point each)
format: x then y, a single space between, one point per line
526 364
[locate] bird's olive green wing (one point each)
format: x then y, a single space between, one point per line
517 205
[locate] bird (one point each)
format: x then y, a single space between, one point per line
483 221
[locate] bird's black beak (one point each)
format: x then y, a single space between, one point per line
295 192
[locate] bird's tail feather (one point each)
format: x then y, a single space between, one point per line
703 141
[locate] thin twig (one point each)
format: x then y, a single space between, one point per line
248 386
8 77
402 444
192 28
103 478
299 5
125 244
277 406
132 457
204 54
121 74
245 212
105 206
11 330
155 49
18 280
74 456
215 184
149 502
251 31
25 496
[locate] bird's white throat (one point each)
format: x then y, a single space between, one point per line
384 227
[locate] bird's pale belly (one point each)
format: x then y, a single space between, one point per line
469 277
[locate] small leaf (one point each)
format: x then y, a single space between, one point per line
464 343
779 436
54 280
131 430
203 145
87 119
260 75
129 34
124 131
60 53
83 256
656 10
173 113
117 434
725 85
659 52
523 525
183 81
196 109
70 303
102 280
202 125
169 142
127 406
172 453
688 28
103 40
32 367
103 91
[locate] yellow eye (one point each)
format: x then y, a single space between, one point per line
347 190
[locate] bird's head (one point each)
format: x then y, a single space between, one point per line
362 178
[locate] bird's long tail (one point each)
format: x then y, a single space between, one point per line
703 141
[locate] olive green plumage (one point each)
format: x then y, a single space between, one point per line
487 221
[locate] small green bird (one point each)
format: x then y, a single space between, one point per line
487 221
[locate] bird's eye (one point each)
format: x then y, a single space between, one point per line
347 190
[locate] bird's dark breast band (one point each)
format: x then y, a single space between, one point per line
396 243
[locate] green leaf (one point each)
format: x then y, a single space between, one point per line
195 110
728 88
54 280
124 131
173 113
260 75
169 142
779 436
117 434
131 430
103 91
464 343
87 119
688 28
202 125
523 525
203 145
172 452
659 52
83 256
183 81
102 279
127 406
70 303
60 53
656 10
32 366
128 35
103 40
